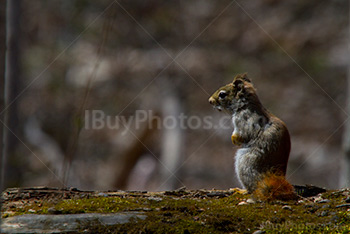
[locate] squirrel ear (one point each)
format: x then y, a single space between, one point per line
238 84
242 77
245 77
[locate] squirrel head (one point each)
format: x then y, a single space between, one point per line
235 95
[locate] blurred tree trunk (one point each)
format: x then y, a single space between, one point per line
2 85
172 137
12 80
345 180
133 155
345 175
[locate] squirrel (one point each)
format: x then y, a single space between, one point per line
261 161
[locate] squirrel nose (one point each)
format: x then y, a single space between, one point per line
211 100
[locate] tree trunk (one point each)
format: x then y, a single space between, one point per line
172 139
12 173
345 176
2 85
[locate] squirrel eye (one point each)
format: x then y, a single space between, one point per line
222 95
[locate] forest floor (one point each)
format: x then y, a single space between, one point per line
53 210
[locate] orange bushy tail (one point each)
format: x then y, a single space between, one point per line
274 187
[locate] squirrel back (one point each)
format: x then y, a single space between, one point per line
261 161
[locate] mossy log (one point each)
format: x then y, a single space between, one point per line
53 210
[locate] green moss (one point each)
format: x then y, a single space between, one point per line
189 213
99 205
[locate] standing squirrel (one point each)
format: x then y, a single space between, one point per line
261 162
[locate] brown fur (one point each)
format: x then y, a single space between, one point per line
274 187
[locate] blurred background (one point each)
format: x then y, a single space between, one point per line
167 58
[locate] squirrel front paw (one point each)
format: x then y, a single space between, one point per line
236 139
